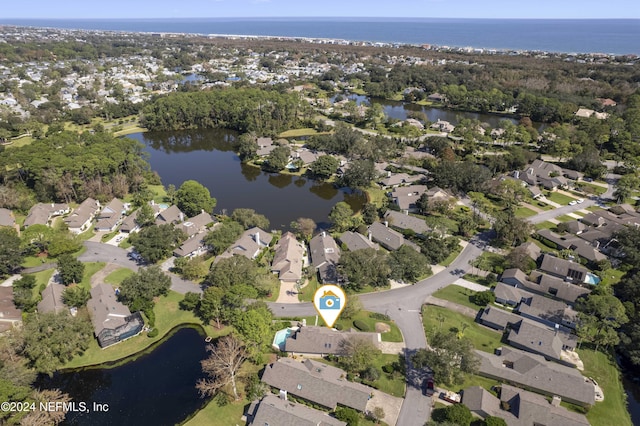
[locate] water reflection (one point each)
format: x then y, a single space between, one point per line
280 181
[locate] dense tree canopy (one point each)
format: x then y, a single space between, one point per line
450 358
223 236
192 198
248 218
10 252
155 242
138 290
70 269
365 267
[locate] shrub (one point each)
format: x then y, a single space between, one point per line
348 415
153 333
338 326
361 325
371 374
388 368
378 316
483 298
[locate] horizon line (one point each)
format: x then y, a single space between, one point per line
317 17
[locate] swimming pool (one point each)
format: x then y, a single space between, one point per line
592 279
281 336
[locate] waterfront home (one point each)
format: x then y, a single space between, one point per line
196 224
52 299
112 321
249 245
325 256
317 382
355 241
171 215
406 197
274 410
288 259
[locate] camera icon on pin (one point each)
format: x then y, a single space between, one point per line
329 301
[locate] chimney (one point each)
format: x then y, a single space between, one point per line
283 395
153 203
324 234
406 212
370 236
202 211
557 327
556 401
181 217
386 223
388 174
257 238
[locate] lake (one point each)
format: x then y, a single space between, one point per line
157 388
207 156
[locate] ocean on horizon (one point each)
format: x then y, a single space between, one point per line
611 36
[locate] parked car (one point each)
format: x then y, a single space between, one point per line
428 387
580 200
573 203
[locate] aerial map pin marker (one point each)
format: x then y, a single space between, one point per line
329 301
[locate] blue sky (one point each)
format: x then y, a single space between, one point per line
565 9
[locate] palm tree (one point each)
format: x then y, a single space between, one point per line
441 319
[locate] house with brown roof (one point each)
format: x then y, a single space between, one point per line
274 410
325 255
321 341
288 259
317 382
112 321
10 315
170 215
80 219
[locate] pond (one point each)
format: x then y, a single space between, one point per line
207 156
157 388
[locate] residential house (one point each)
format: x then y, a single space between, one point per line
171 215
250 244
388 238
321 341
508 294
355 241
586 113
565 269
404 222
533 372
52 299
546 341
393 180
317 382
196 224
307 157
580 246
80 219
192 247
406 197
288 259
518 407
443 126
10 315
110 216
546 310
7 218
265 146
545 285
514 277
437 97
129 224
41 213
498 319
325 256
273 410
532 250
112 321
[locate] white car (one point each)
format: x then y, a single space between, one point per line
580 200
573 203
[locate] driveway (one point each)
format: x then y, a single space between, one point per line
391 406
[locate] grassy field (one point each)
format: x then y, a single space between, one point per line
447 261
307 292
393 335
42 279
376 196
559 198
603 368
565 218
471 380
294 133
544 225
116 277
523 212
591 188
460 295
168 316
482 338
490 262
90 268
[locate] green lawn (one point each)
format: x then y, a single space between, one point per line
471 380
523 212
544 225
591 188
117 276
90 268
393 335
482 338
376 196
603 368
42 279
460 295
447 261
565 218
307 292
559 198
168 316
294 133
492 262
610 276
31 261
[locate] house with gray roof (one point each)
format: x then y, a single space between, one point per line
288 259
191 247
129 224
565 269
521 408
321 341
7 218
356 241
514 277
388 238
539 339
508 295
250 244
52 299
273 410
109 217
580 246
196 224
10 315
325 256
112 321
547 311
533 372
393 180
545 284
404 222
406 197
532 250
80 219
317 382
497 318
41 213
170 215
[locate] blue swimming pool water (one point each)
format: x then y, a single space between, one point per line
592 279
281 336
